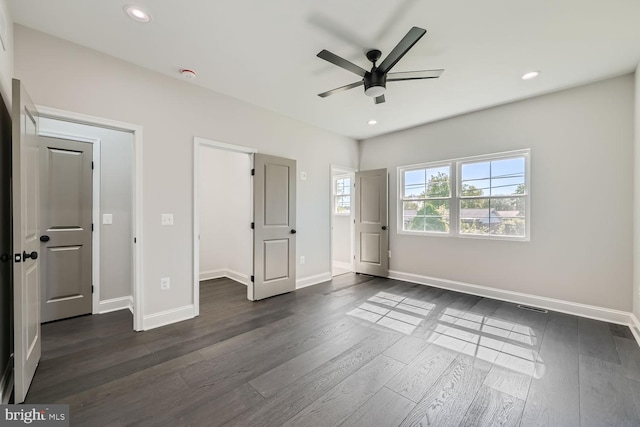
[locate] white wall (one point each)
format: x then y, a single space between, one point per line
64 75
581 244
116 181
225 214
6 52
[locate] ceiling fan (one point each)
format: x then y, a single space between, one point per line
375 81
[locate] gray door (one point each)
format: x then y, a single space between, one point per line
26 245
66 195
372 233
274 257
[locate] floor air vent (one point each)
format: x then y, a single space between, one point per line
528 307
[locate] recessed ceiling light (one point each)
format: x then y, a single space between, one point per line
530 75
137 14
373 122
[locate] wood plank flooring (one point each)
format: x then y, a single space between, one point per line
355 351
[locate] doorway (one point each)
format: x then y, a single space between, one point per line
342 220
251 218
116 211
223 212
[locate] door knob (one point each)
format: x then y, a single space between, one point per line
4 257
384 227
32 255
44 238
293 231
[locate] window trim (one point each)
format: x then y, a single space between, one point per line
455 198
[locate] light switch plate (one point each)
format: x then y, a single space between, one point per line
303 176
165 283
166 219
107 219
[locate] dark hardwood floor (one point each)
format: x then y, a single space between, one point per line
356 351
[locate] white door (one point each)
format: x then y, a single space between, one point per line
372 231
26 272
274 257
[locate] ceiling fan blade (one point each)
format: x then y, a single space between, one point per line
379 99
401 49
414 75
340 89
341 62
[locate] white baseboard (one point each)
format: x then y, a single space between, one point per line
167 317
122 303
577 309
238 277
212 274
313 280
6 382
343 265
225 272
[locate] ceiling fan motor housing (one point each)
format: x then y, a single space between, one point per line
373 80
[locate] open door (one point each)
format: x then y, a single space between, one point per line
372 232
274 242
26 223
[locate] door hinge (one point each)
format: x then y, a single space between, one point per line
91 165
91 226
135 240
91 288
253 172
253 279
253 225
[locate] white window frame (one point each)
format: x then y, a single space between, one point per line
456 190
335 195
401 170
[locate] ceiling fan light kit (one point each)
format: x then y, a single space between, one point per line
375 81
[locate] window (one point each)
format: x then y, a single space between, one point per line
342 195
426 199
491 197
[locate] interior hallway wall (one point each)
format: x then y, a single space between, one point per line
6 52
65 75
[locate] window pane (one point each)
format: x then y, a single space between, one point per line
503 177
507 177
475 216
438 184
414 184
500 216
342 186
511 215
343 204
427 183
475 179
432 215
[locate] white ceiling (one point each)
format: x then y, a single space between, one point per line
264 52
